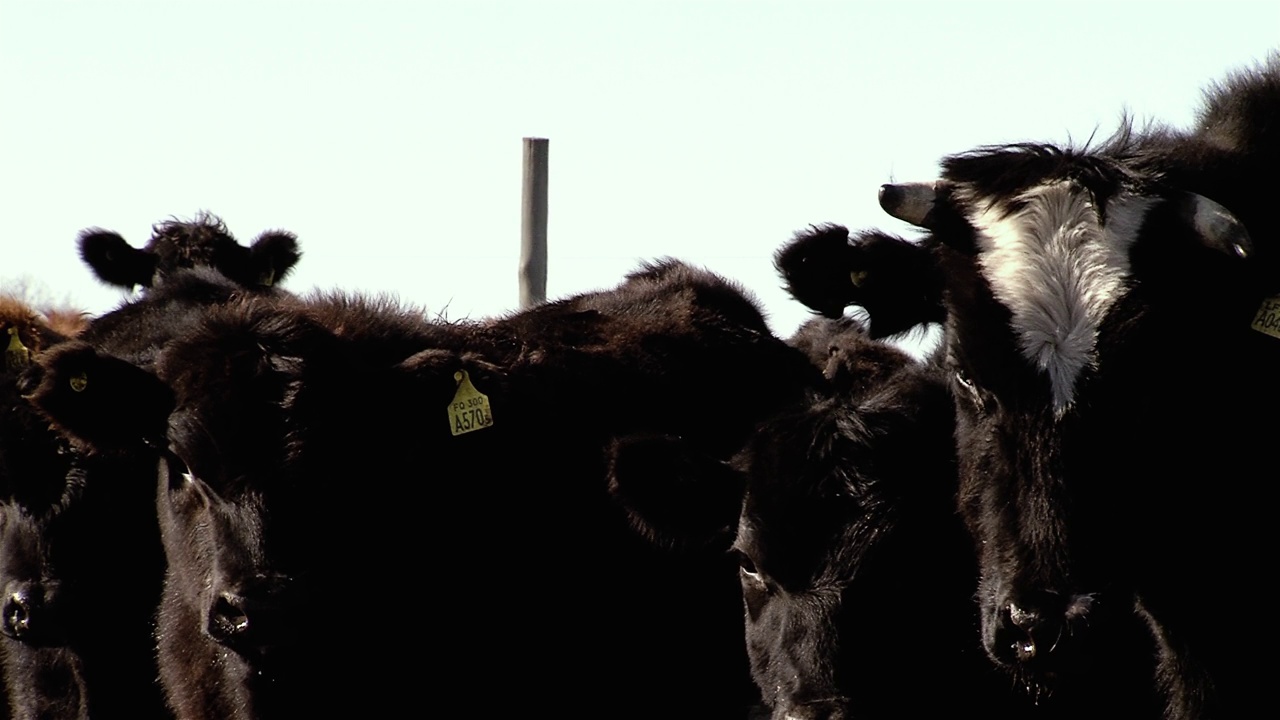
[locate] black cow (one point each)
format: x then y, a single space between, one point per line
73 555
317 452
857 572
1110 327
841 512
203 241
33 476
80 556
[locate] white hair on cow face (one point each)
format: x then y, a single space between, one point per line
1059 270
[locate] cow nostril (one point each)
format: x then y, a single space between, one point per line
228 618
1027 620
17 615
1024 650
1024 618
1038 628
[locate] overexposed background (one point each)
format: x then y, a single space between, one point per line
388 135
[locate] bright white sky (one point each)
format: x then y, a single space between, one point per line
388 135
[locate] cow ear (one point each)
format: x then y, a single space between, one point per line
439 369
460 393
273 255
98 401
115 261
896 281
673 496
23 334
815 267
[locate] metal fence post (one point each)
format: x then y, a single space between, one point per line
533 224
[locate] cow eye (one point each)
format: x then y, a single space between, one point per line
977 397
749 570
179 473
966 385
180 476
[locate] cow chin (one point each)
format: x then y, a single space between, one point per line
828 709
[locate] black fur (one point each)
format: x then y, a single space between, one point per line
856 572
75 562
99 541
310 463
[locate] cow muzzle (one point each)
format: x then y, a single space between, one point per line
31 613
252 619
1041 630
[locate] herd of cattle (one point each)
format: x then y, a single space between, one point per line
225 500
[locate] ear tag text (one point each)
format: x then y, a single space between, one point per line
1267 320
469 410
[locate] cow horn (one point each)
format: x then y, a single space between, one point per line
1216 226
911 202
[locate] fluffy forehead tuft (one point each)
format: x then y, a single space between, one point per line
1056 266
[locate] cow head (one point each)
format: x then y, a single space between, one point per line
841 513
211 414
201 242
1082 289
1109 315
36 483
252 465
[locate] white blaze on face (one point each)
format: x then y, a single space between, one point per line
1059 271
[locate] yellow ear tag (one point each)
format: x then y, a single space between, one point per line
469 410
16 356
1268 318
79 382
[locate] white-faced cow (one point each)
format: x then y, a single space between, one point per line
357 503
203 241
1111 332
